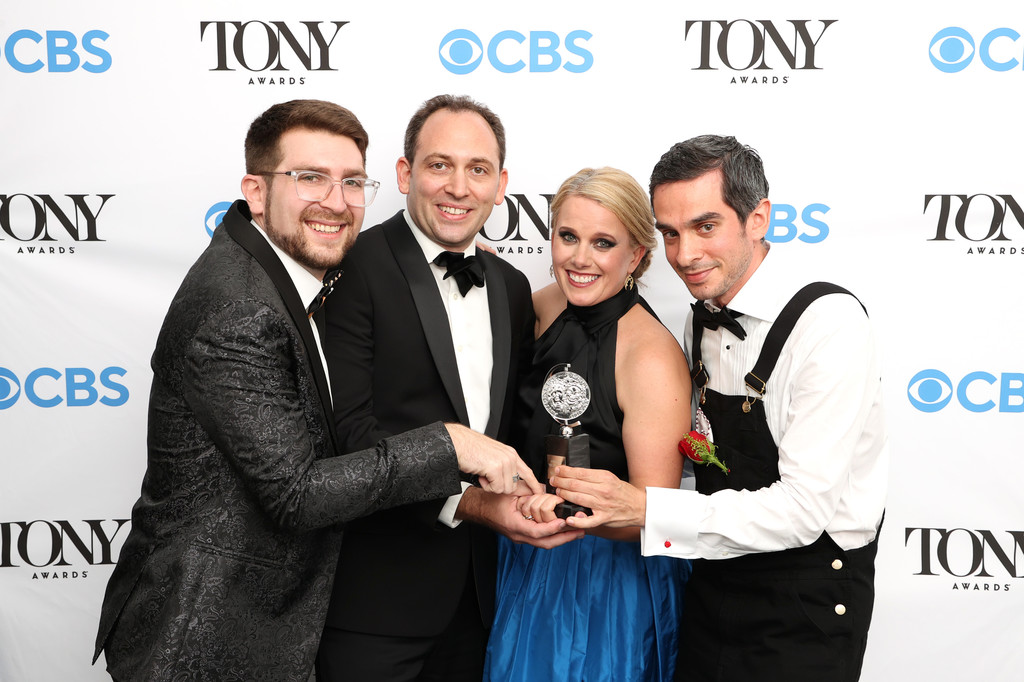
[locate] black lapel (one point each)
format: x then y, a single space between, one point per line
433 318
237 222
501 337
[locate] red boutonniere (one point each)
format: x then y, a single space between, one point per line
700 450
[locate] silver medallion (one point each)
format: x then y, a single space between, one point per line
565 395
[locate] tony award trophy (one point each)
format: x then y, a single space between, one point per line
566 396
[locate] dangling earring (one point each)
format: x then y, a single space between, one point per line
551 270
629 282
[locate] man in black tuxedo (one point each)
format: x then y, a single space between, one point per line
426 327
226 572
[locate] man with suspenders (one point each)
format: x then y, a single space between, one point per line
787 388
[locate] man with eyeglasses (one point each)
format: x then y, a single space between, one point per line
226 572
425 326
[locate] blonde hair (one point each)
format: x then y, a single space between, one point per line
620 194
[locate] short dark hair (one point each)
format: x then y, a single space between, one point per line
455 104
743 181
262 143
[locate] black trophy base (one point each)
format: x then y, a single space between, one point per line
573 451
566 509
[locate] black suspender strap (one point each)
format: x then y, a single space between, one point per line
698 374
757 378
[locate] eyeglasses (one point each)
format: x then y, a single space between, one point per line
314 186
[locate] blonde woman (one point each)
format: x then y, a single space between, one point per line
595 609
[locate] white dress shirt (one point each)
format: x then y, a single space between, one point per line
308 287
469 320
824 410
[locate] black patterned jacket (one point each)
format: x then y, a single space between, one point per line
227 570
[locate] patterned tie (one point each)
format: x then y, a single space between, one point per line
316 309
467 271
330 279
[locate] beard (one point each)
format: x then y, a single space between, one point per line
296 242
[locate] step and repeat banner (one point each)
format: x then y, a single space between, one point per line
891 139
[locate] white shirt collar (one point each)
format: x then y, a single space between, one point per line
429 248
765 294
784 270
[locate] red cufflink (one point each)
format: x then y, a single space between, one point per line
668 543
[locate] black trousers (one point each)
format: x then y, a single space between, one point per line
455 655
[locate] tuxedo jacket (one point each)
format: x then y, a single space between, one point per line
400 571
226 572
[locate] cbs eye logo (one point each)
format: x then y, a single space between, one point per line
953 49
930 390
10 388
215 215
461 51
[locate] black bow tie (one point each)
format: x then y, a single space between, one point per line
330 279
724 318
467 270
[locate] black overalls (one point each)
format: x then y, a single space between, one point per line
796 615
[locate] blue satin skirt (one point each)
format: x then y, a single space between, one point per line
590 610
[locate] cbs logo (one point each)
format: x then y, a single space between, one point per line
953 49
784 224
60 50
461 51
42 387
931 390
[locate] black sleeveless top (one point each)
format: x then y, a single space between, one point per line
585 338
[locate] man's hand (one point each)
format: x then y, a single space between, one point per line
498 466
615 503
501 513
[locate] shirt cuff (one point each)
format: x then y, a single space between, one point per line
447 515
672 521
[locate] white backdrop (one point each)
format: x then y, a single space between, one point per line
891 139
